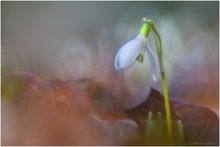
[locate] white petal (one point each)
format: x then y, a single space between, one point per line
155 67
129 52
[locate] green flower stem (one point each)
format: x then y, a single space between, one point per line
163 77
167 106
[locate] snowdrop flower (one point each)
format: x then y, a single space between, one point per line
135 50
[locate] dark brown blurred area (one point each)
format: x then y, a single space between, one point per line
57 112
85 112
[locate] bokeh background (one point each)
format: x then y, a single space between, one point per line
80 39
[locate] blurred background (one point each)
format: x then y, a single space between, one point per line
72 40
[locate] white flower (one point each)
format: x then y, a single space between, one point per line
128 54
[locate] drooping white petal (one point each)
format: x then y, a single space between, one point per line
155 67
129 52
